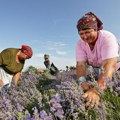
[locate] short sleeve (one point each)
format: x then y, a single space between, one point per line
5 57
109 47
80 52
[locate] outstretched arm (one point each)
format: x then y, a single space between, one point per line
108 66
92 95
81 72
16 77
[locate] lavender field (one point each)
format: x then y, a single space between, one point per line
41 96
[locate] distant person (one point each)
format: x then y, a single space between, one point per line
97 48
53 69
12 61
67 68
50 66
47 61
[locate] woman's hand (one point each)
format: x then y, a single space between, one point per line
93 97
85 86
101 84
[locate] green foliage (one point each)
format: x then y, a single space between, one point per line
42 84
33 69
46 93
81 116
112 104
46 74
47 84
92 114
32 104
20 115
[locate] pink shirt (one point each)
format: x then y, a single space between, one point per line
106 47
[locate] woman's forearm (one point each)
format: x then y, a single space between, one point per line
108 70
16 78
81 69
81 72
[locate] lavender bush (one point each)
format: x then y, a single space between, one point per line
41 96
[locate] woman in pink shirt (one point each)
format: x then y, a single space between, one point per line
99 49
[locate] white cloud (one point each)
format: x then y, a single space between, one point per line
59 44
51 48
55 46
39 55
60 52
50 45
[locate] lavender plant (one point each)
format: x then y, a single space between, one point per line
45 97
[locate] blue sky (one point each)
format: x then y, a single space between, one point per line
49 26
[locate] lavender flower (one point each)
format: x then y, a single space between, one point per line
43 114
117 89
66 100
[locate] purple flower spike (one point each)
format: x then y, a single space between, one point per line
117 89
28 117
52 109
43 114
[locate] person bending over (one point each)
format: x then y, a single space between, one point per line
97 48
12 61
